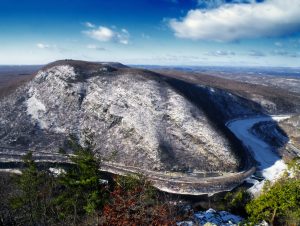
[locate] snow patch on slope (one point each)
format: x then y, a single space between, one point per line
35 107
51 83
62 72
150 118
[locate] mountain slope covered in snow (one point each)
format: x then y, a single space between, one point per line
136 116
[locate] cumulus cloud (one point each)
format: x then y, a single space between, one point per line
217 3
210 3
51 47
105 34
44 46
282 52
256 53
89 24
123 36
221 53
145 36
101 33
230 22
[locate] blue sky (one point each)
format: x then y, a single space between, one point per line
165 32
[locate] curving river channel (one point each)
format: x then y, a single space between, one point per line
269 165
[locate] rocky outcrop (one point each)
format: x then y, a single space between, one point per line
212 217
291 127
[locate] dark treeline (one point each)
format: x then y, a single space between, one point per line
79 195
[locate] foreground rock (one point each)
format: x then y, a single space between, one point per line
212 217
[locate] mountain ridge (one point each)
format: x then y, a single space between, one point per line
64 98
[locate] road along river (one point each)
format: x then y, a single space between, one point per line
270 165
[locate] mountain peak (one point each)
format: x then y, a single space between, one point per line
76 70
85 65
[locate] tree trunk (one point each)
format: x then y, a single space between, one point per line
273 216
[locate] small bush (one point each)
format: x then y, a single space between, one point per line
135 202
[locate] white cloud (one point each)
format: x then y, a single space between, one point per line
124 31
282 52
89 24
101 33
210 3
124 41
123 36
43 46
256 53
278 44
51 47
217 3
95 47
105 34
221 53
231 22
145 36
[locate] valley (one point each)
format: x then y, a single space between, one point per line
150 112
185 147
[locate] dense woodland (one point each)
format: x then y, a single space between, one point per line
80 196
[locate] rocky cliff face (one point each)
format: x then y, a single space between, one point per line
136 117
291 126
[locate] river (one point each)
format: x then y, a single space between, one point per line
270 165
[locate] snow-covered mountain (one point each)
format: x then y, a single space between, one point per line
134 114
174 128
140 118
